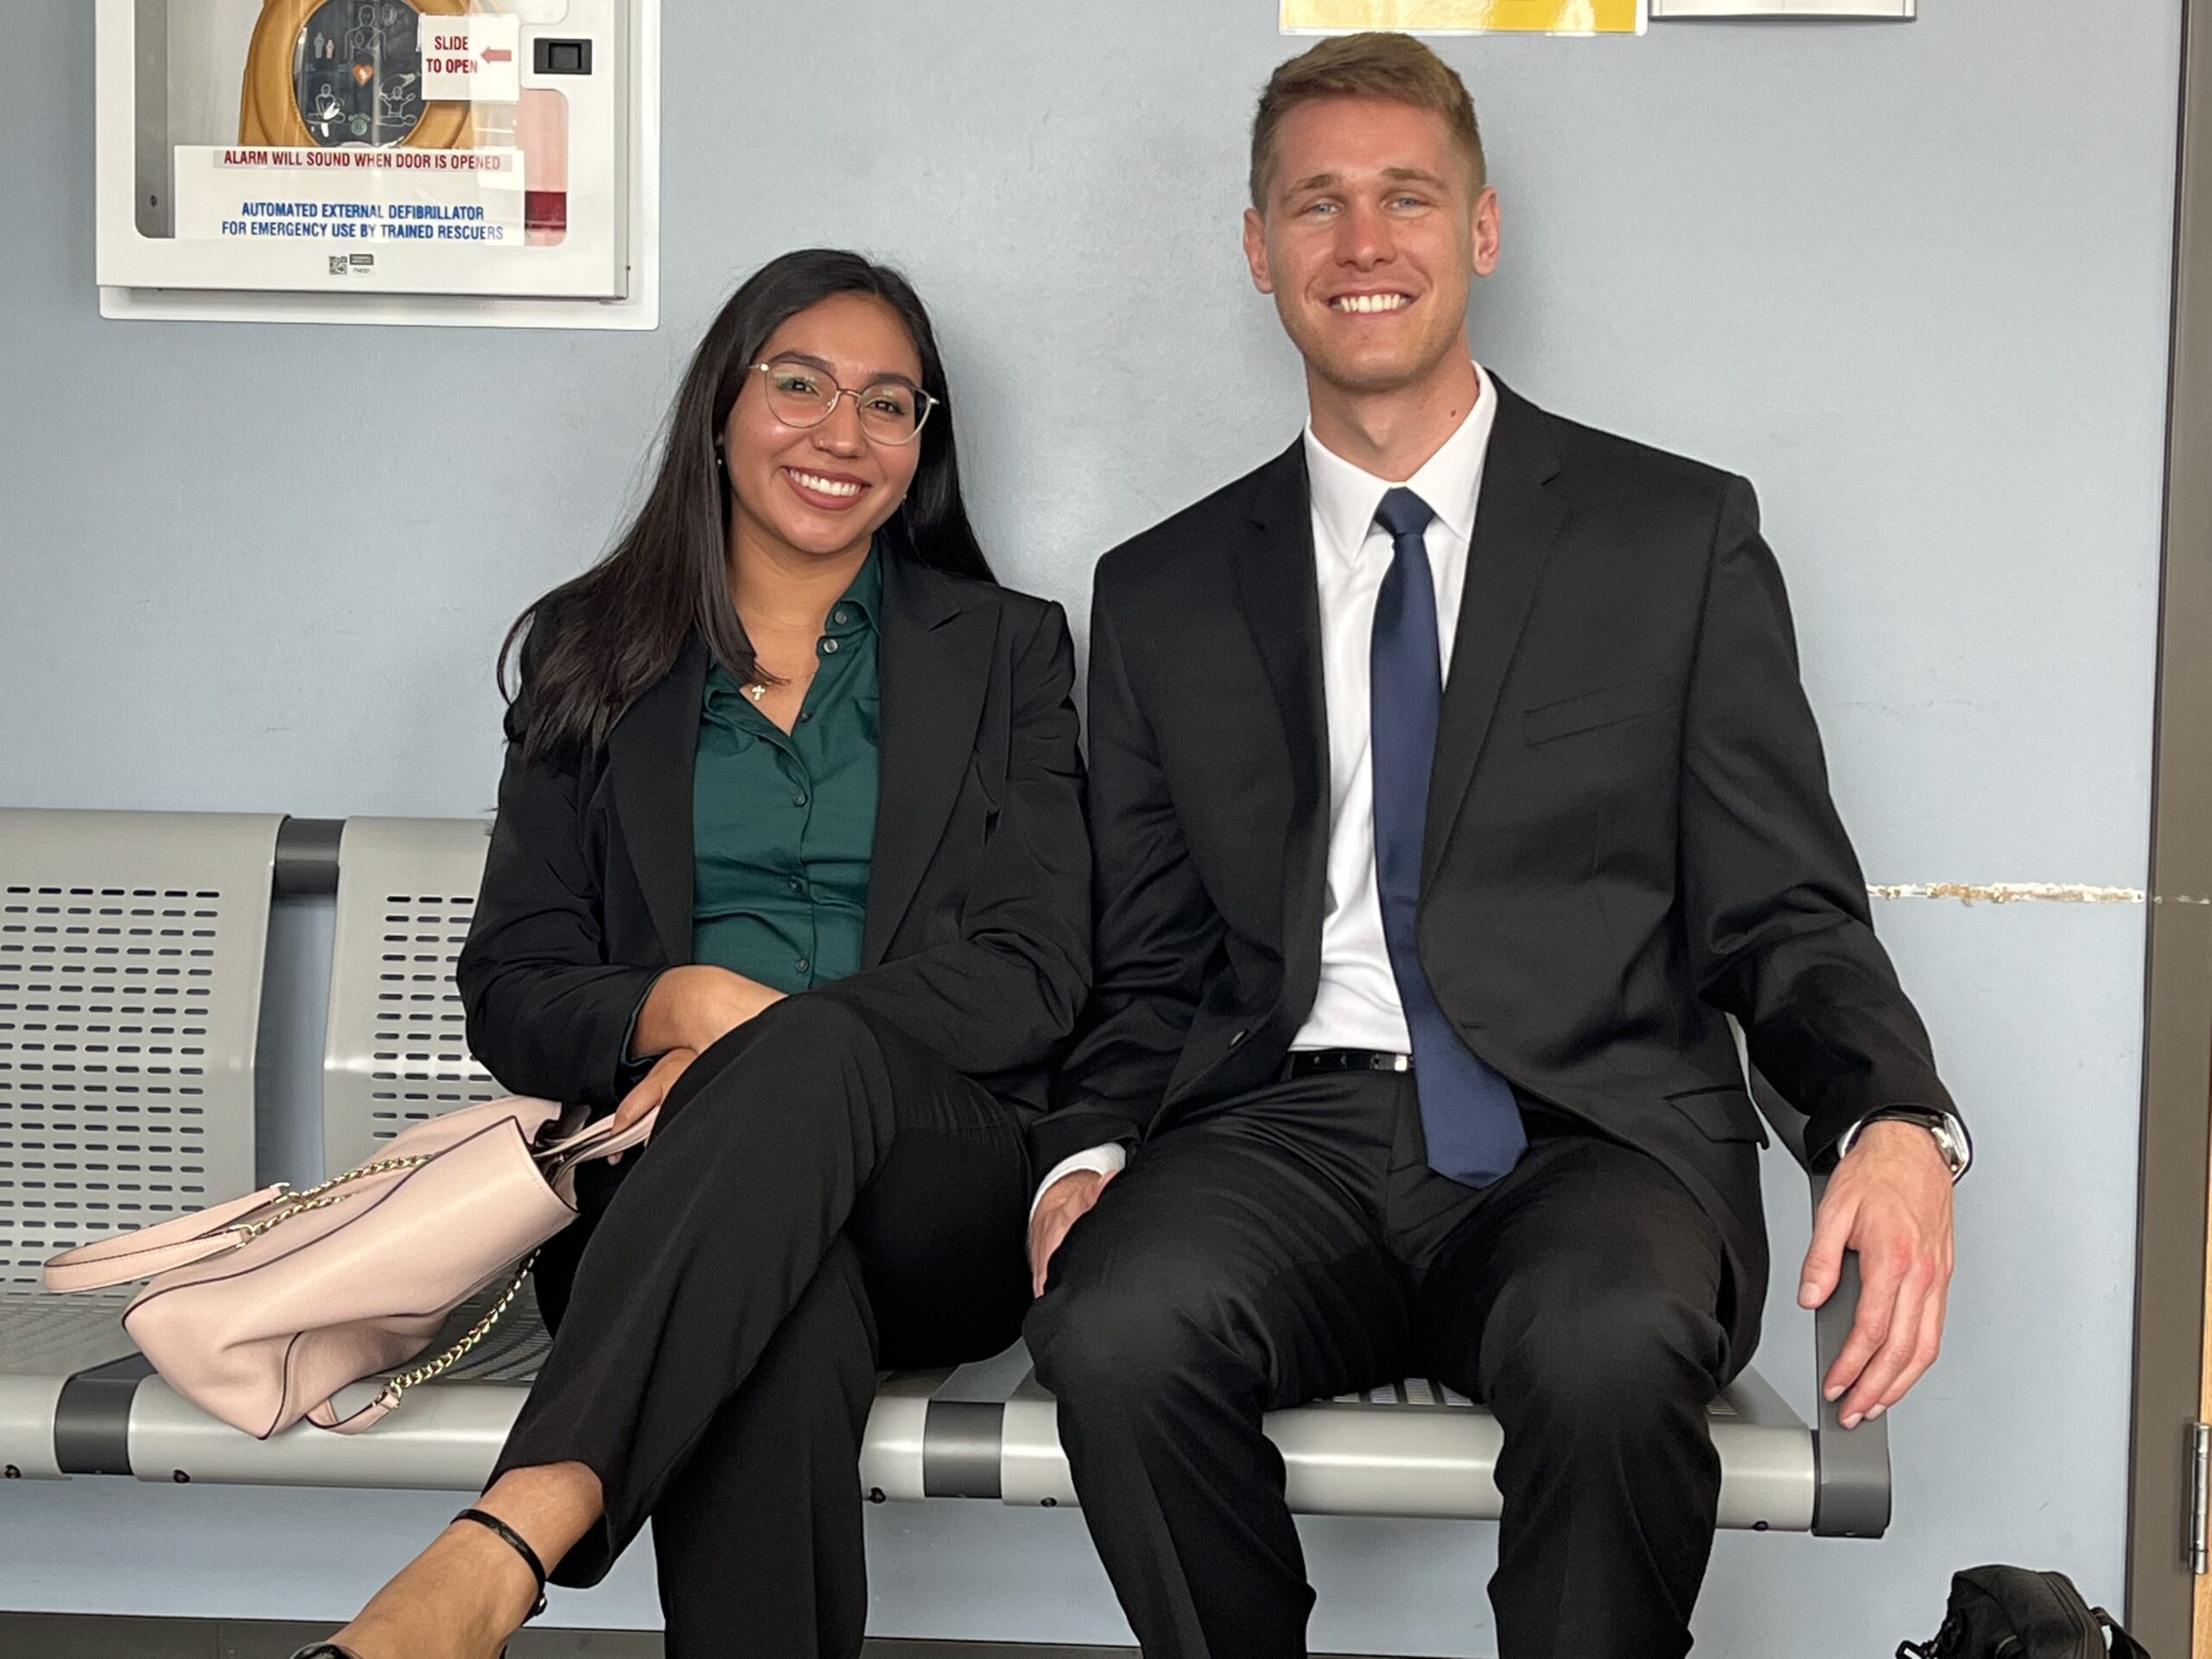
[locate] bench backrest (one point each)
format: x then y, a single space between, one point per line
132 946
395 1052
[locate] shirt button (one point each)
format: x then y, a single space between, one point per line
805 966
796 884
1238 1038
828 645
837 616
799 799
805 716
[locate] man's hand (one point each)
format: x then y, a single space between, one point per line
651 1090
1065 1202
1890 1201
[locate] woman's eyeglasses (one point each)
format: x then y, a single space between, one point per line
802 395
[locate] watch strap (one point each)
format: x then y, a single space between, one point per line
1950 1134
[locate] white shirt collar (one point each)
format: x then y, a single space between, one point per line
1345 496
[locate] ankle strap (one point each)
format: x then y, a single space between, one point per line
520 1545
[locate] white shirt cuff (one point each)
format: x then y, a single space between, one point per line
1110 1158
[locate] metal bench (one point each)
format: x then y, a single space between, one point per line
394 1054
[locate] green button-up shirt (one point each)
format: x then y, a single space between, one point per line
783 824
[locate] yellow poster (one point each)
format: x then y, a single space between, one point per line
1464 16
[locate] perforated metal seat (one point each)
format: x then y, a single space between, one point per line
132 947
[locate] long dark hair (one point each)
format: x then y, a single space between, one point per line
596 642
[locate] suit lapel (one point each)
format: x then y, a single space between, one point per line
1517 519
1279 597
933 667
650 755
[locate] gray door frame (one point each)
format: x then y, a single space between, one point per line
2176 1132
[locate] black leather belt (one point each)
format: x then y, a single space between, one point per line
1313 1062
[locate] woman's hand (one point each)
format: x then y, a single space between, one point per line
651 1090
694 1007
689 1009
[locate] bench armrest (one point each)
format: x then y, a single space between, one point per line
1852 1494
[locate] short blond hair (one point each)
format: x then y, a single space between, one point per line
1380 65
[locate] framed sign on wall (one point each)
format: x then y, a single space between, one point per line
399 160
1466 17
1903 10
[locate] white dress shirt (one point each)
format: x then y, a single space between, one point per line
1356 1004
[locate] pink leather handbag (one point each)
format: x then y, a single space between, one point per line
259 1310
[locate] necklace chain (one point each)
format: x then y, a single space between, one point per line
758 689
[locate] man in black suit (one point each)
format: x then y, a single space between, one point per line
1451 784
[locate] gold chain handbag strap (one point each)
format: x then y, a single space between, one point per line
430 1371
323 1196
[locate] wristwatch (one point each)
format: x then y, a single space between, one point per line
1950 1134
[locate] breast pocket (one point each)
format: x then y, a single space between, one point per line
1643 697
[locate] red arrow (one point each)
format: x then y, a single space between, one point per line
498 54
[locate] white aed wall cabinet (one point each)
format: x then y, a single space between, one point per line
464 161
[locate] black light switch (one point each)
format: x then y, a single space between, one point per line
552 57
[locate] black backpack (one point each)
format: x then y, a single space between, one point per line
2008 1612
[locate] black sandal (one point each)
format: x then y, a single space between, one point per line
520 1545
515 1542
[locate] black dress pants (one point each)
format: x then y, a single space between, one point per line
1294 1245
823 1196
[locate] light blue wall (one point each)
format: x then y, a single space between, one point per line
1912 280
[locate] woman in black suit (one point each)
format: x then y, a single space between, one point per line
790 845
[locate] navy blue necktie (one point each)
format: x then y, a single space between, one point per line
1467 1110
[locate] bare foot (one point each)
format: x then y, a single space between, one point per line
460 1598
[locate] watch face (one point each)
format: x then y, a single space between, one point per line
357 73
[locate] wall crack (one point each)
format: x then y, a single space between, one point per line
2016 892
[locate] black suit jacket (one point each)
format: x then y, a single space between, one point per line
977 935
1630 834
